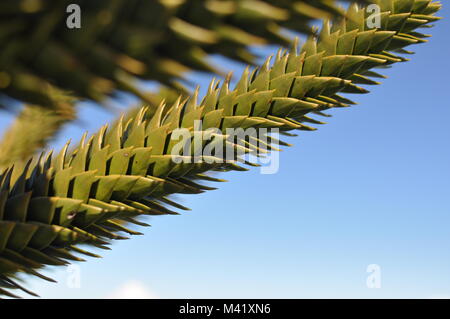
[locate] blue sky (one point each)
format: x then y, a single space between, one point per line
370 187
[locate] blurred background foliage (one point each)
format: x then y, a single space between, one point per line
122 43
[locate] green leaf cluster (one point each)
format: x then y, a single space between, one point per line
89 196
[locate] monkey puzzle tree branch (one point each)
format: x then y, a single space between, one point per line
118 175
33 128
120 42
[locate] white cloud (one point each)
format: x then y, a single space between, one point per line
438 296
132 289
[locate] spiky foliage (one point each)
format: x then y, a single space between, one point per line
87 196
32 128
121 41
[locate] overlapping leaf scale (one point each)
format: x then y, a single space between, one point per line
87 196
124 40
